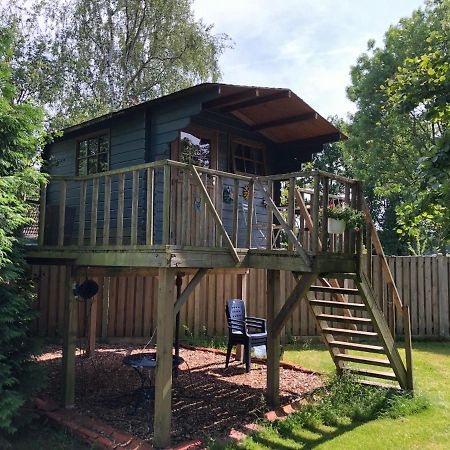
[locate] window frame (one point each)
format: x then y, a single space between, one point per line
253 144
91 136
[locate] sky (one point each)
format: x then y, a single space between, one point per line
305 45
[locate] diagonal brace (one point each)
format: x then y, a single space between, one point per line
189 289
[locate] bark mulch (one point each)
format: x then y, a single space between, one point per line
208 400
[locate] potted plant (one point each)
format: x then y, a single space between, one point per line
343 217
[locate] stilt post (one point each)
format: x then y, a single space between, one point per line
163 376
69 340
273 338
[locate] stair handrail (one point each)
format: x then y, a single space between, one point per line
380 252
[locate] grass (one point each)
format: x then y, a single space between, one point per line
350 416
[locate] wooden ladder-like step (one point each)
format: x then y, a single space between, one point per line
344 319
379 384
334 290
363 360
360 347
333 304
373 373
346 332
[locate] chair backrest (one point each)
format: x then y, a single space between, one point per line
235 309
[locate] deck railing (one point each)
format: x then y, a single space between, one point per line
172 203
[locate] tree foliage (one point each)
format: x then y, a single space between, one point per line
83 58
398 134
20 135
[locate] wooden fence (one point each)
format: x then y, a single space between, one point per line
125 306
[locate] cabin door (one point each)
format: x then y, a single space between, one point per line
191 221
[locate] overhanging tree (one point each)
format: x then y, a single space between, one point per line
83 58
389 141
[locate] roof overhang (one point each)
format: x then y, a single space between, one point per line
278 114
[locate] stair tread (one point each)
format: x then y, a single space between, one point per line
335 304
334 290
332 330
355 346
333 317
379 384
373 373
364 360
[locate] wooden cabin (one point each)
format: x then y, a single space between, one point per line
209 178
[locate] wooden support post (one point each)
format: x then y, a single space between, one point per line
408 348
91 329
69 341
105 306
273 339
163 375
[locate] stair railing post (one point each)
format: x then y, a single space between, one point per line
315 214
324 231
408 347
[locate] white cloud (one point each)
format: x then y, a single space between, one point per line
305 45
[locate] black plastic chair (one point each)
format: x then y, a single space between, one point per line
247 331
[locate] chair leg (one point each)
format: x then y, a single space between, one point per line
229 347
247 357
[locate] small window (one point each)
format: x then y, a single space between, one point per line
93 155
248 157
195 150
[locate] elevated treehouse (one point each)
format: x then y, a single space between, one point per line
208 179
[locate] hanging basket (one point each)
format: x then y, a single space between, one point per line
336 226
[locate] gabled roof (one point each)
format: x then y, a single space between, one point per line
278 114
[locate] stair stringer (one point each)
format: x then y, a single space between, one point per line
381 326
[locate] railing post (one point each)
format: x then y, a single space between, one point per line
42 207
234 232
134 207
107 210
81 221
251 190
166 206
269 241
347 236
120 208
324 231
291 209
315 215
94 208
408 347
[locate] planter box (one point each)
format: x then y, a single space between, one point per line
336 226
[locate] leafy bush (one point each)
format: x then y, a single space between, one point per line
354 219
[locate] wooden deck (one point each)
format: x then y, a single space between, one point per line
169 214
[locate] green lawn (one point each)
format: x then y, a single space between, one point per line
427 429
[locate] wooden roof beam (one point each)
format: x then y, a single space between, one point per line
286 121
282 94
231 99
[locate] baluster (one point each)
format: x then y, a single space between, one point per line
42 208
315 215
291 209
81 224
269 243
62 212
234 237
251 191
166 206
94 208
347 248
324 231
120 208
150 203
134 207
186 206
107 211
219 207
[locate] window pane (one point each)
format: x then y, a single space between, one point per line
82 167
82 149
195 150
103 144
103 162
92 147
92 165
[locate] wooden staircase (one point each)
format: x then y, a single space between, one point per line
357 334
